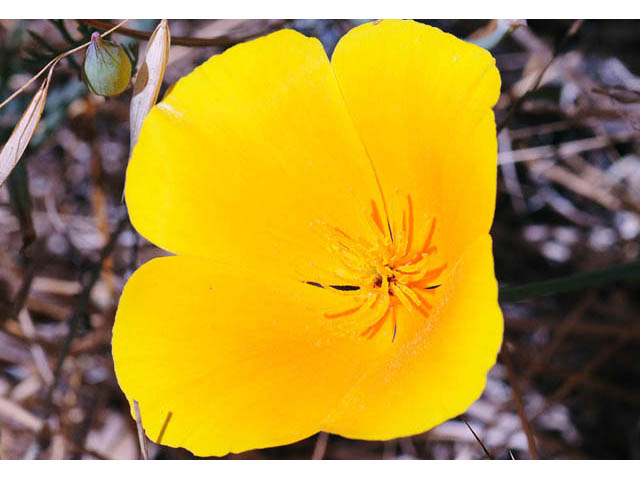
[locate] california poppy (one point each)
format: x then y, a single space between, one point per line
333 267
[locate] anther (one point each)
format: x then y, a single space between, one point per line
345 288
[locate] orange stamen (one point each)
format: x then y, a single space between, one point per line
410 228
387 270
429 276
427 243
346 312
410 301
376 217
372 330
404 242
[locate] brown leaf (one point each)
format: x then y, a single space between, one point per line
149 78
24 130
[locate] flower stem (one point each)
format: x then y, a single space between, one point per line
570 282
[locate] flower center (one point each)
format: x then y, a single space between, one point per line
396 270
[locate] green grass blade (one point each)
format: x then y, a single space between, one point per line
571 282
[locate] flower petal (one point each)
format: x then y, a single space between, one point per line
440 368
421 101
249 157
238 361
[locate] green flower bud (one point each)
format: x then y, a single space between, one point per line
107 68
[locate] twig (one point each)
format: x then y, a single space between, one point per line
220 41
56 60
551 127
575 26
74 320
141 435
83 302
23 292
578 183
486 452
321 446
533 451
567 387
20 198
93 402
580 330
561 331
612 390
510 175
564 150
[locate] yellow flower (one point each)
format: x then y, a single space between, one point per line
334 268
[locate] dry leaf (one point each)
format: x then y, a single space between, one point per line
149 78
23 131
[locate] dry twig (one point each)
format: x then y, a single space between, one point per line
526 426
225 40
142 439
575 26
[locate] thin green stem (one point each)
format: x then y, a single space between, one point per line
571 282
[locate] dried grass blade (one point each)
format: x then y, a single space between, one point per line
141 434
23 131
149 78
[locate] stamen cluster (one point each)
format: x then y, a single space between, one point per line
387 274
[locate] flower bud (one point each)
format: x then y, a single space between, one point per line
107 68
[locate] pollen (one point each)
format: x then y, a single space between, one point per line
395 271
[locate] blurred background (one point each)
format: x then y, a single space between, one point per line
568 201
